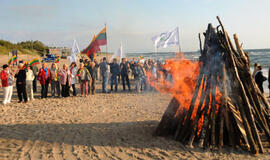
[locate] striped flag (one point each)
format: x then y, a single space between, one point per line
92 48
97 41
57 59
12 60
33 62
102 37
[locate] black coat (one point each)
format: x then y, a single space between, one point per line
259 79
21 77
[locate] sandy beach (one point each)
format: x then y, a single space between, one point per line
103 126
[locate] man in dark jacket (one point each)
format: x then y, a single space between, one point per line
104 72
259 78
124 66
115 71
92 68
21 83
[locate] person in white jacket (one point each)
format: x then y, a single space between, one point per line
29 83
73 71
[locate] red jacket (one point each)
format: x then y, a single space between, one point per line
41 76
4 78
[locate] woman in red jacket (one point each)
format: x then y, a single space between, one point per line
7 83
44 77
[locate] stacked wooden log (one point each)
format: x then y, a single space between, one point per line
239 117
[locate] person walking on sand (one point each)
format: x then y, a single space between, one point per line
7 84
55 85
259 78
73 71
124 66
21 83
104 69
84 77
65 80
115 71
29 83
44 77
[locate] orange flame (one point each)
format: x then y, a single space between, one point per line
184 73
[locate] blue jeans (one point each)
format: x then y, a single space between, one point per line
104 82
114 80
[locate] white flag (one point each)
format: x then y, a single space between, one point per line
118 53
166 39
74 51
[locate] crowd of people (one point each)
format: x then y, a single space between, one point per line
63 80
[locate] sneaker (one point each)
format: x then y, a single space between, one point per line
20 102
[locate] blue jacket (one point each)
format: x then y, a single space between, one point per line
115 68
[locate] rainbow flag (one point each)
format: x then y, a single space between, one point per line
57 59
102 37
12 60
33 62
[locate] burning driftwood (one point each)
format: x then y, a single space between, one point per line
226 106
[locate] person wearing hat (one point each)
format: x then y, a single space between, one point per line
21 83
7 84
29 83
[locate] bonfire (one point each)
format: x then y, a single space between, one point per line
215 100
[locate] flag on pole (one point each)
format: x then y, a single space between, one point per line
102 37
92 48
75 48
118 53
12 60
74 51
33 62
167 39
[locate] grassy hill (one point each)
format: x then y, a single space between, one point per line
27 47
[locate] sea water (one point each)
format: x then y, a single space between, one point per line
261 56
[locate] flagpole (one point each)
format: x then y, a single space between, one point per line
179 40
107 41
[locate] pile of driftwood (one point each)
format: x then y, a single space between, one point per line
240 118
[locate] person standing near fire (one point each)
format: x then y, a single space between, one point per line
259 78
269 81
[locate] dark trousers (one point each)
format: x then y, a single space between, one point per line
65 90
21 90
125 79
44 89
114 81
93 86
55 87
35 84
74 89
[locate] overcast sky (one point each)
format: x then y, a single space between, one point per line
132 22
